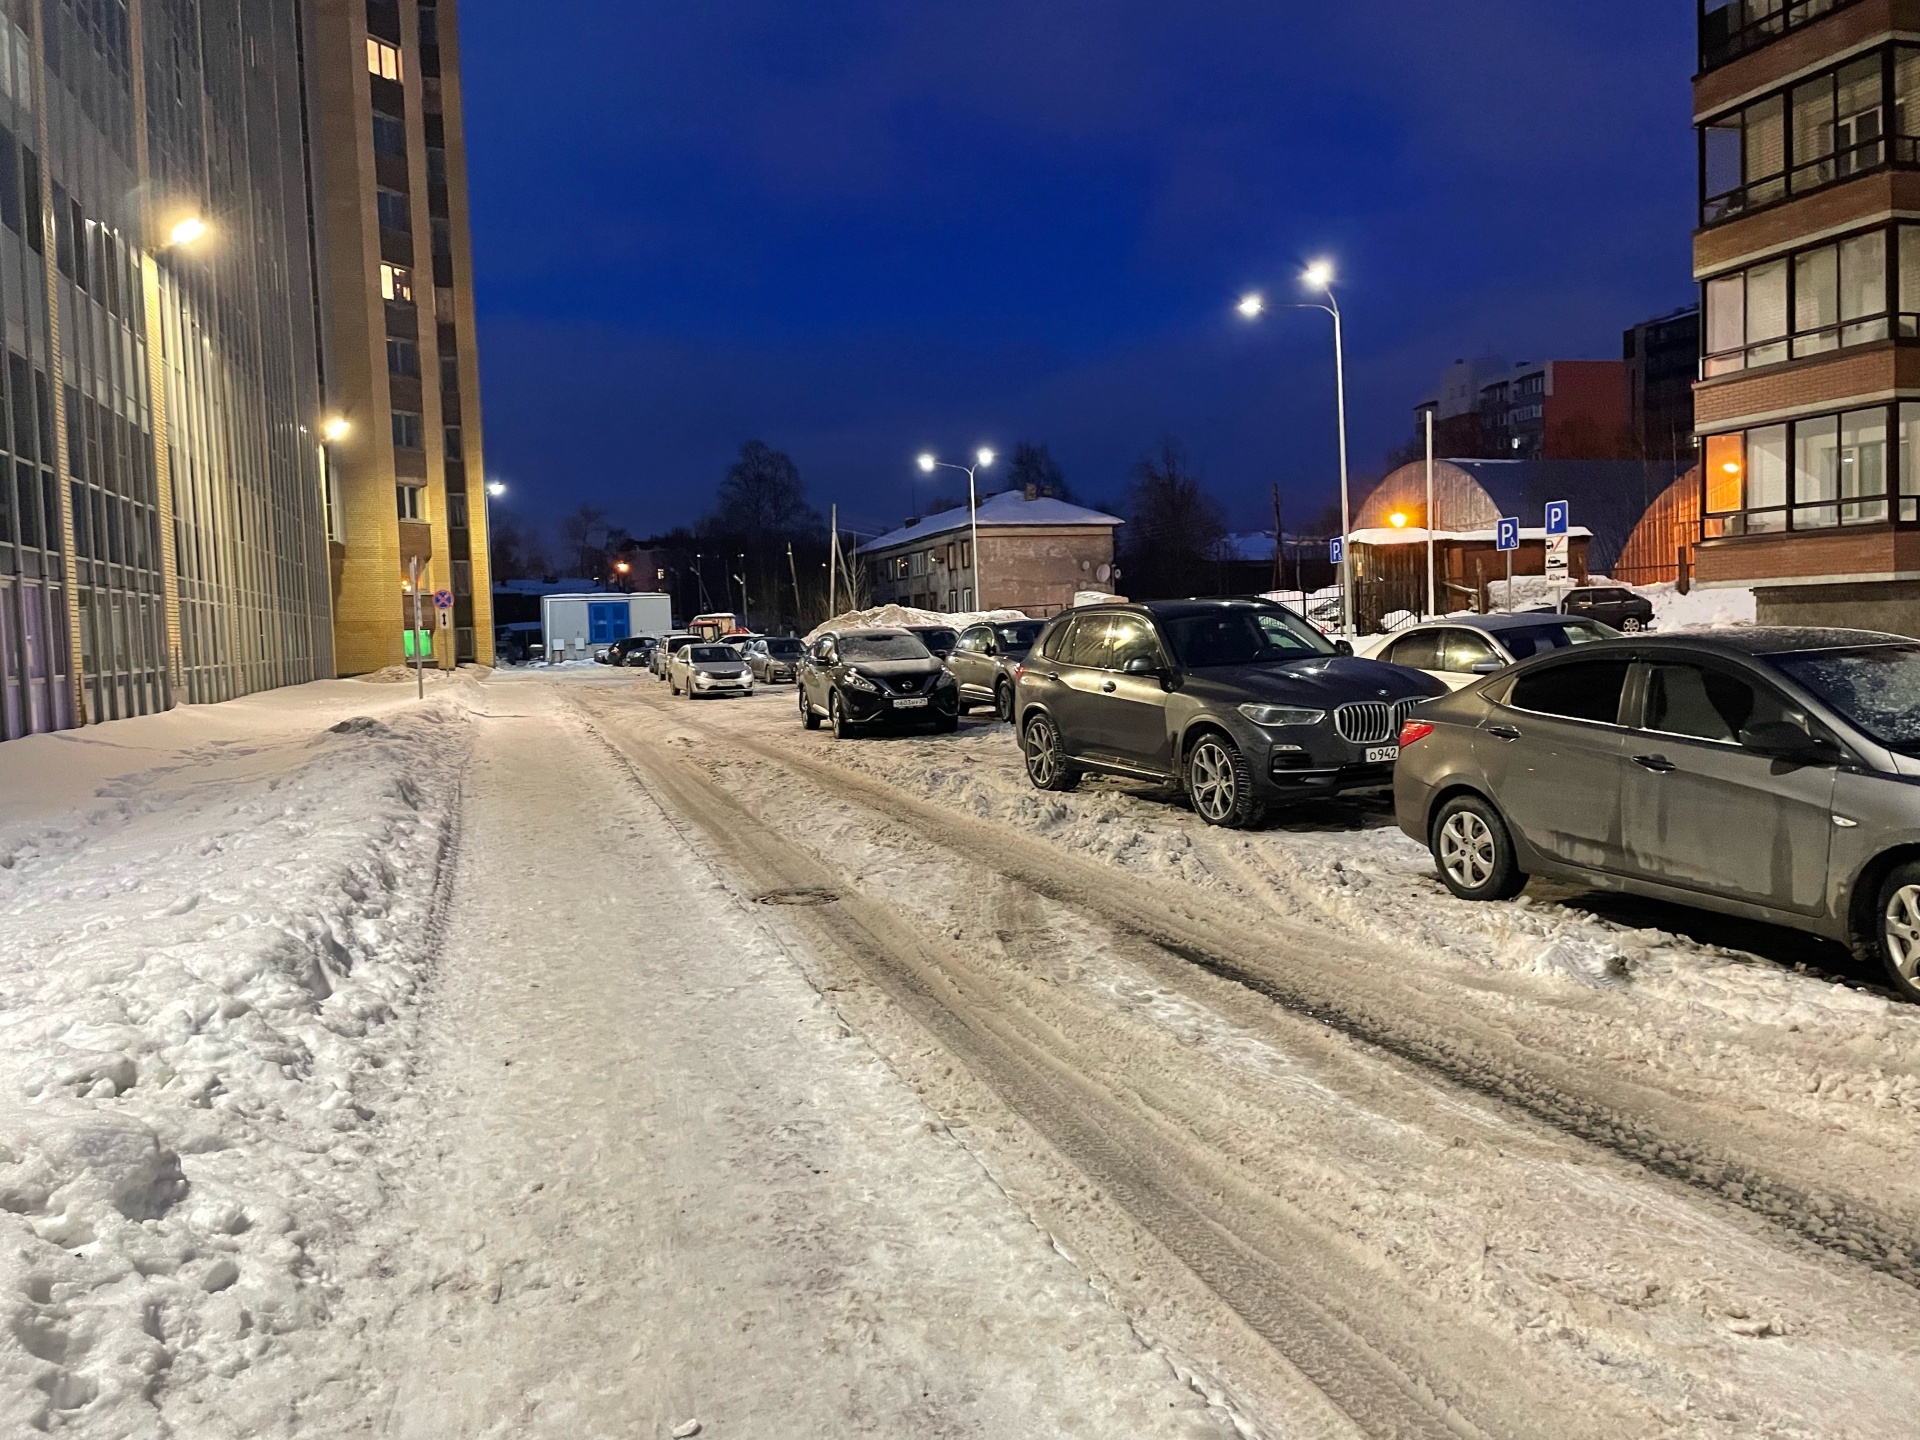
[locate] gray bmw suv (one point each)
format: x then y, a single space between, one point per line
1240 702
1768 773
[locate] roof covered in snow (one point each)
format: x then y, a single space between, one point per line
1008 508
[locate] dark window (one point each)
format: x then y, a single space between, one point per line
429 25
1131 638
31 509
411 501
436 166
442 237
1017 637
50 508
451 437
463 577
22 393
1587 690
1057 639
392 208
30 184
1420 651
1706 704
389 134
11 212
456 510
1089 644
403 357
1464 649
973 641
82 520
406 430
62 231
450 374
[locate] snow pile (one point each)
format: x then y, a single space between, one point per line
1698 609
204 1000
887 617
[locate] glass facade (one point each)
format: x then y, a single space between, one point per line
161 521
1856 467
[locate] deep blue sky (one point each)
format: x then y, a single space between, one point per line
857 228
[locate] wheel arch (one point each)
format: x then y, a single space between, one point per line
1453 789
1197 730
1862 932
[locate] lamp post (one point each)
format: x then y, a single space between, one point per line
333 430
1318 276
982 457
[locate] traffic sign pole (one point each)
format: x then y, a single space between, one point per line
1506 539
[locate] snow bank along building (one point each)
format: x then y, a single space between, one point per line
1808 402
1037 552
176 209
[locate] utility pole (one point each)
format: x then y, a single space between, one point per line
1279 562
1431 612
419 674
833 561
795 573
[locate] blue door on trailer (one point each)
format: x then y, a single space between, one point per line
606 621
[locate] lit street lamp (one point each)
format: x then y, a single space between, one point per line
982 457
1318 276
186 230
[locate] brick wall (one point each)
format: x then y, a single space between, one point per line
1865 550
1834 382
1850 26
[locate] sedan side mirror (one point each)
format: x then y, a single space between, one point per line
1488 667
1784 741
1141 665
1343 647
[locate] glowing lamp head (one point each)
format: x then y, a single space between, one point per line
1318 275
1732 467
622 566
1251 305
496 489
186 231
985 457
1398 519
926 463
336 427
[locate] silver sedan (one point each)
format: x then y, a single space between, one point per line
697 670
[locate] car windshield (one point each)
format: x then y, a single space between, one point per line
1018 636
785 649
1539 639
1876 687
883 647
1242 637
711 654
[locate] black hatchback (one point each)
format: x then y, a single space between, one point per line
1240 702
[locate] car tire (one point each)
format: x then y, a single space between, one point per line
673 685
1003 702
1046 756
837 716
1632 625
807 717
946 724
1474 851
1220 783
1896 921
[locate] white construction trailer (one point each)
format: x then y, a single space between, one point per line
575 627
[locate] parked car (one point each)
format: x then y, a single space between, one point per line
703 669
983 658
634 650
664 651
1770 773
939 639
1240 702
872 678
1464 648
774 659
1611 605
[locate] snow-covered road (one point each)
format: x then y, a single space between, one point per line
371 1067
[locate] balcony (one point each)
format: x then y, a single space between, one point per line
1732 28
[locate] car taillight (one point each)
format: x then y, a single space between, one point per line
1018 671
1412 730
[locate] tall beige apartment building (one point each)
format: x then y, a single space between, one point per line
399 368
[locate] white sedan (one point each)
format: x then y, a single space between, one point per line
697 670
1464 648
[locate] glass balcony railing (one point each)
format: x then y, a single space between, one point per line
1732 28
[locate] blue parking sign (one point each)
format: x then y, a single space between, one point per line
1506 534
1337 549
1556 517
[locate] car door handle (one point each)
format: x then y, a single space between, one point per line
1659 764
1050 674
1107 686
1505 732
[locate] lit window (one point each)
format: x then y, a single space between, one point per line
412 501
383 59
396 283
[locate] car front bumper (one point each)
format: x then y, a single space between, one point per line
866 708
722 684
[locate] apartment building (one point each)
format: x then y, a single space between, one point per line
1037 553
1662 359
1808 258
1528 410
161 536
401 376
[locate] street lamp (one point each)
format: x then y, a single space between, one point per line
981 458
496 489
336 428
186 230
1318 276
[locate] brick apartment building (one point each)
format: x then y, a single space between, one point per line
1490 409
1662 358
1808 405
1037 553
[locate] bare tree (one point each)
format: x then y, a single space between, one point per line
583 541
1033 467
762 498
1172 540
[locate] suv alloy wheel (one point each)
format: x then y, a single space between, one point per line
1220 783
807 717
1046 756
837 716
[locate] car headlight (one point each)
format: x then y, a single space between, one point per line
860 682
1282 715
944 678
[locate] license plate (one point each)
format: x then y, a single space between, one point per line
909 704
1378 753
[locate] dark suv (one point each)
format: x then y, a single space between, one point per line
868 678
1610 605
1241 702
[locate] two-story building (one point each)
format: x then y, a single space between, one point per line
1808 256
1036 554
